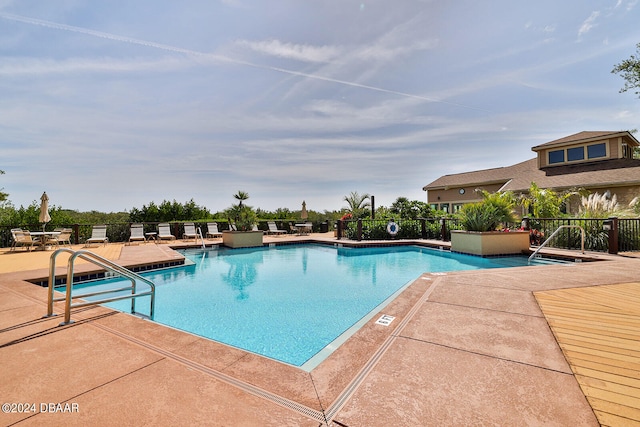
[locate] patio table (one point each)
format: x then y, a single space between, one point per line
304 228
43 236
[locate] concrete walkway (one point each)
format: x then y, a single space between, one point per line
465 348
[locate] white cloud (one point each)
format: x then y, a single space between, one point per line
623 115
546 29
630 4
298 52
588 23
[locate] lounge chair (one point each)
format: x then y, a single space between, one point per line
273 228
98 235
23 238
164 232
137 233
232 227
212 230
189 231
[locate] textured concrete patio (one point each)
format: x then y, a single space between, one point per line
465 348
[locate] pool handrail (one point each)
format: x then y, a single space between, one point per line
553 234
107 265
199 233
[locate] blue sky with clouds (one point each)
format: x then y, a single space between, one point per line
108 105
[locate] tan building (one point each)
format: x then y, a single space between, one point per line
593 161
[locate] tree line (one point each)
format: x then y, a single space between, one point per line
358 206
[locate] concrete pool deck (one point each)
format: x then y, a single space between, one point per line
552 345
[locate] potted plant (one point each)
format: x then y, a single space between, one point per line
483 232
245 219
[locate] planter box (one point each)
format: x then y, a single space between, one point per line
490 242
242 239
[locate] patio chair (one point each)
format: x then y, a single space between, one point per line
189 231
304 229
63 238
13 237
137 233
23 238
212 230
273 228
292 228
164 232
98 235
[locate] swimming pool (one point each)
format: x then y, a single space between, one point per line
290 302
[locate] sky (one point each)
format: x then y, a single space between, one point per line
111 105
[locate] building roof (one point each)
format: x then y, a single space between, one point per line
586 136
608 173
480 177
518 177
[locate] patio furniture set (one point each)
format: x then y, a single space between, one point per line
62 236
39 239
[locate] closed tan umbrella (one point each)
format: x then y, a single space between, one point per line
303 213
44 210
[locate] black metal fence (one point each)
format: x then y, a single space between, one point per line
424 228
611 235
628 235
602 235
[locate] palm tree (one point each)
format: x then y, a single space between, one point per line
243 215
241 196
357 203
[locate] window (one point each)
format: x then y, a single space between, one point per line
556 156
457 207
596 150
626 152
434 206
444 207
574 154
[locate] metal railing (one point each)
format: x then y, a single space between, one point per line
199 233
623 236
107 265
552 235
596 237
420 228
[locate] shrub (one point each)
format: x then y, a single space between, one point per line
492 211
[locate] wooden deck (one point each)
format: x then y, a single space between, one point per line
598 329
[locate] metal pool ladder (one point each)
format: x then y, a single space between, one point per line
553 234
107 265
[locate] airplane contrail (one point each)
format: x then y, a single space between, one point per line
221 58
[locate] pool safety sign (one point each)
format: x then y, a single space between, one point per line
385 320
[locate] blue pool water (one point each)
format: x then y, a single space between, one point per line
289 302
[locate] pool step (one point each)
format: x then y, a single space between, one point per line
549 261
